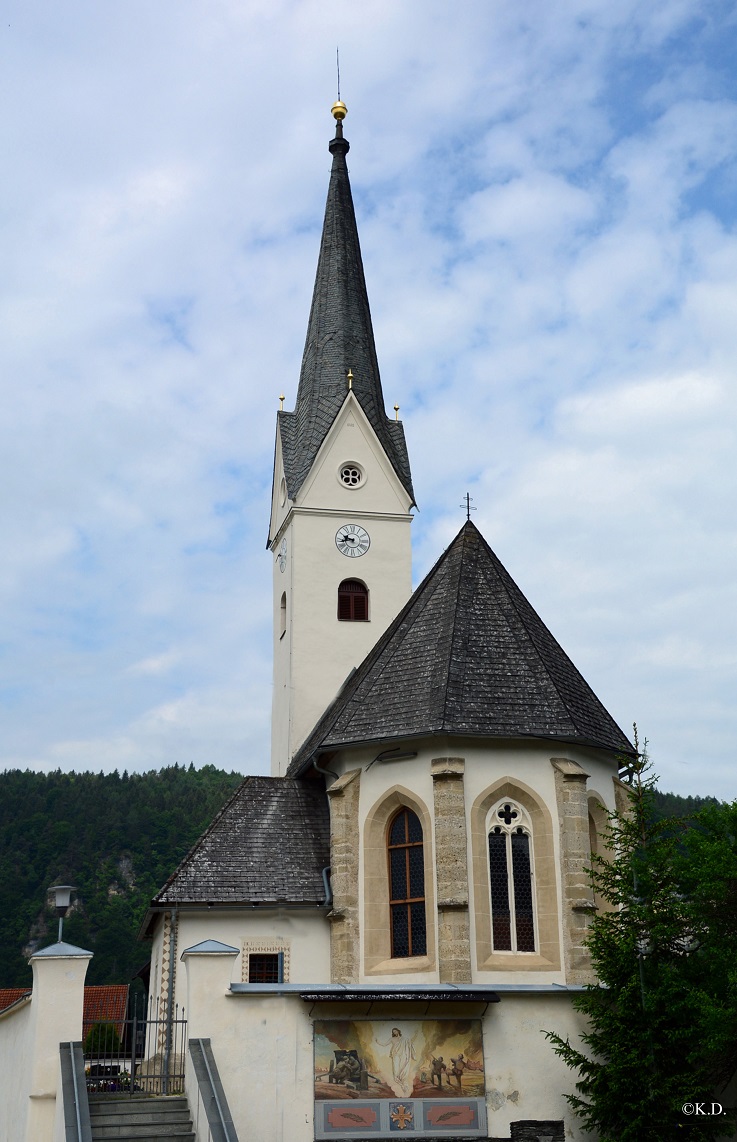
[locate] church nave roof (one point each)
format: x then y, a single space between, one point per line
268 844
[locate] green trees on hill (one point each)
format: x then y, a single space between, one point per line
116 837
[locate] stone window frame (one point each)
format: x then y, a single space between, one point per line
377 920
524 823
273 946
599 819
547 893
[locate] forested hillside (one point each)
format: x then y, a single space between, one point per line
116 838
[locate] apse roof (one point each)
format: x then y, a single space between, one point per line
268 844
340 338
467 656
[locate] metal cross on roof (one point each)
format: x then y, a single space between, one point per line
467 505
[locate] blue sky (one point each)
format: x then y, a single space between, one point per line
546 201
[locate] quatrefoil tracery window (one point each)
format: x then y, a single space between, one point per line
510 876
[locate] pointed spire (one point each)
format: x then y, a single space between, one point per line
340 338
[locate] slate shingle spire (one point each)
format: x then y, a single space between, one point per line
467 655
340 338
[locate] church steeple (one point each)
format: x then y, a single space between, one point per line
340 338
342 493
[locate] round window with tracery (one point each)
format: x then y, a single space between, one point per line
351 475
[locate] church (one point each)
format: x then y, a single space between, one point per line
376 937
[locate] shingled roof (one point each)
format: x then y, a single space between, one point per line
340 338
467 655
268 844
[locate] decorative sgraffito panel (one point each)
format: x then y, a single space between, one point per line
423 1078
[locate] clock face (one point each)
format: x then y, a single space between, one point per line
352 540
282 556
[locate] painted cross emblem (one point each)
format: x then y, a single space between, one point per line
402 1117
507 814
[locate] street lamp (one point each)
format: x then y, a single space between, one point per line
62 899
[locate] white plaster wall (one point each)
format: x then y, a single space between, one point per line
520 1059
264 1051
15 1068
306 932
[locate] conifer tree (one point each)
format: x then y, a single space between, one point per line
662 1019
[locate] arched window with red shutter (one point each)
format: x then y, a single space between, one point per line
353 600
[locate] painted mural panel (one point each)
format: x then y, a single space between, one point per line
381 1078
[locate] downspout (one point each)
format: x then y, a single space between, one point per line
325 772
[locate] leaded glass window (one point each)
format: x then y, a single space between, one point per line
407 885
510 879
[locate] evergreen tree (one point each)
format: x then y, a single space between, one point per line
662 1019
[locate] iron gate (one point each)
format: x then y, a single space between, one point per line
141 1054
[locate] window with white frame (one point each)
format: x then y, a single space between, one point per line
511 879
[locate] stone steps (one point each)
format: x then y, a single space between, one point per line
140 1119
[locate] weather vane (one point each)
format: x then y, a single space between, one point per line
467 505
337 64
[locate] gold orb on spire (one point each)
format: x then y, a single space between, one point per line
339 110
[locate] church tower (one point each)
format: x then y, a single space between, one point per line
342 492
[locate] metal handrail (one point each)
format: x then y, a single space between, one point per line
77 1127
216 1107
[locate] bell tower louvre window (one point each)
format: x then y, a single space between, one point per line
407 886
352 601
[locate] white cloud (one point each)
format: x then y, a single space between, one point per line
545 199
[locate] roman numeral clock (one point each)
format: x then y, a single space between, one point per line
352 540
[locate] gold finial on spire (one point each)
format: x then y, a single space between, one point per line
339 110
281 403
350 379
396 412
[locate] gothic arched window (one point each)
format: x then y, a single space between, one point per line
352 601
407 885
510 875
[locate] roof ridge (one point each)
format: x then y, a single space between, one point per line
532 635
456 609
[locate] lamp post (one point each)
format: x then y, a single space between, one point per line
62 900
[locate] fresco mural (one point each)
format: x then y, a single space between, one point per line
410 1076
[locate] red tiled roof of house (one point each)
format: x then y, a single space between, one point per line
11 995
106 1003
